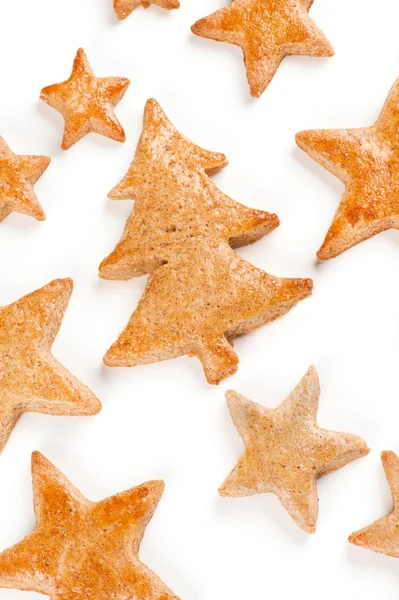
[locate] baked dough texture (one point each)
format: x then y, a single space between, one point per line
286 451
366 160
18 174
382 536
267 31
83 550
124 8
87 102
200 294
31 379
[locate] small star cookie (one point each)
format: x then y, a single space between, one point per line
286 451
18 174
124 8
87 102
267 31
31 379
83 550
366 160
382 536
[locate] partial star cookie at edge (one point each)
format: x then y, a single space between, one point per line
124 8
82 550
267 31
31 379
382 536
18 174
286 451
366 160
87 102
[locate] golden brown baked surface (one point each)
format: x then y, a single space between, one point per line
366 160
286 451
124 8
83 550
267 31
200 293
87 102
382 536
31 379
18 174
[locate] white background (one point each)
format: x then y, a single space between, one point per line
163 420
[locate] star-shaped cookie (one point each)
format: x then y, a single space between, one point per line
383 535
31 379
124 8
18 173
267 31
87 102
366 160
286 451
82 550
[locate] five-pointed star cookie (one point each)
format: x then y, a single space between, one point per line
87 102
124 8
383 535
367 162
267 31
82 550
18 173
31 379
286 452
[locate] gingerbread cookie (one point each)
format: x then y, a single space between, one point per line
267 31
366 160
382 536
87 102
18 174
31 379
286 451
200 293
82 549
124 8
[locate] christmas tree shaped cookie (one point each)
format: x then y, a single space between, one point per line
200 293
124 8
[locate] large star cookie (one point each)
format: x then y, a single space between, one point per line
31 379
18 173
87 102
286 451
382 536
267 31
124 8
367 162
200 294
83 550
